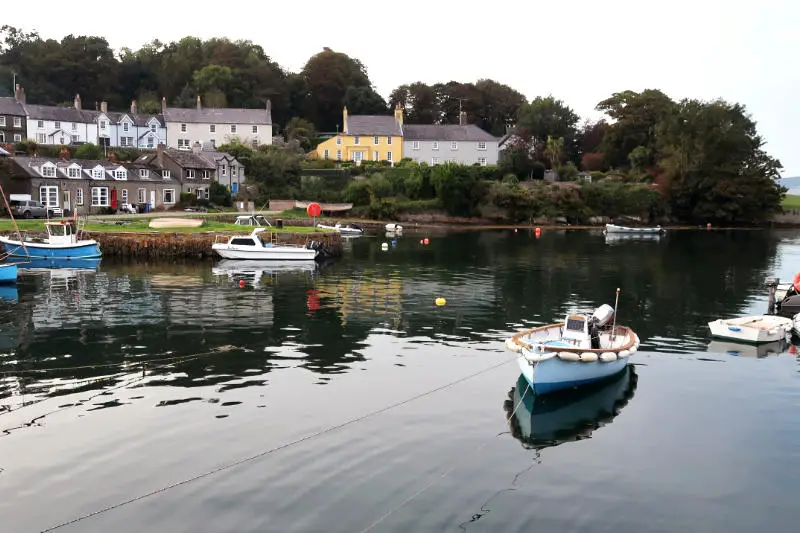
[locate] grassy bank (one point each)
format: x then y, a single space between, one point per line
791 201
142 226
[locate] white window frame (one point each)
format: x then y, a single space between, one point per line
42 138
481 145
3 121
212 128
338 155
74 126
124 195
57 124
49 171
338 141
17 122
434 160
183 144
73 172
415 145
190 173
151 141
389 139
141 195
233 128
103 124
79 196
234 172
164 196
75 138
98 173
454 145
357 140
389 156
183 128
120 174
47 193
223 171
17 137
40 124
325 153
206 175
166 174
144 173
154 127
255 130
482 161
435 145
100 197
376 155
376 139
126 127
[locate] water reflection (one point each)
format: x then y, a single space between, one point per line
545 421
70 264
750 350
253 272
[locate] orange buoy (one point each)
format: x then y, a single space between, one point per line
796 282
426 241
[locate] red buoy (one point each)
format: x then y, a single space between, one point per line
313 209
426 241
241 283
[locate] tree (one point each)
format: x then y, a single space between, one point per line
364 101
517 158
419 102
554 149
592 162
499 106
88 151
218 194
327 76
590 137
300 130
548 117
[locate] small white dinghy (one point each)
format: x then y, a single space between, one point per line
581 350
752 329
613 228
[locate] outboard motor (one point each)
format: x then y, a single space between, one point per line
603 315
771 283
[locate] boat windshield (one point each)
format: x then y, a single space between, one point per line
574 324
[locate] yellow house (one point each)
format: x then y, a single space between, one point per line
366 138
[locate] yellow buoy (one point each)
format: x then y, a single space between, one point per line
440 301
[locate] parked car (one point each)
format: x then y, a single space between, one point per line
128 208
28 209
55 212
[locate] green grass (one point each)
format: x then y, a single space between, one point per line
791 202
143 226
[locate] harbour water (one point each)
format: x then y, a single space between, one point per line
164 397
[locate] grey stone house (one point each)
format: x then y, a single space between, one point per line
13 125
88 186
461 143
194 172
230 172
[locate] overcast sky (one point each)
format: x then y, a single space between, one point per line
580 51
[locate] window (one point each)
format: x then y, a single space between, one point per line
338 155
338 141
79 196
223 170
3 121
388 140
49 196
124 195
183 128
17 137
388 156
103 124
57 125
356 140
17 122
40 124
2 137
97 173
99 196
153 127
377 139
190 173
141 195
126 127
168 196
415 145
325 154
213 144
434 160
183 144
42 138
126 141
481 145
74 172
75 139
61 140
166 174
375 155
49 171
233 128
143 173
454 145
435 145
202 193
243 242
233 171
150 141
74 126
120 174
255 129
254 143
206 175
212 128
482 161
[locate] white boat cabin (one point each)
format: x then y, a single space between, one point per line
62 232
252 220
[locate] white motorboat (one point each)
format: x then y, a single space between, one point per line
613 228
752 329
252 247
581 350
344 229
391 227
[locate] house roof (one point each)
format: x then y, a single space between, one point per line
60 114
446 132
189 159
373 125
9 106
27 166
215 156
218 115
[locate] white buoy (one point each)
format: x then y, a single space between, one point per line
385 246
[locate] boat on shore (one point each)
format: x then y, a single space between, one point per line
252 247
579 351
613 228
61 243
176 222
344 229
756 329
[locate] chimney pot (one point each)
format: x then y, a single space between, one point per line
134 108
199 105
163 105
77 102
104 106
462 118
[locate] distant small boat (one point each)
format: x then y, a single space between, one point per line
613 228
752 329
176 222
251 247
8 273
61 243
394 228
347 229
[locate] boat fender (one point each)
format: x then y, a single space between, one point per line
588 357
796 282
532 358
569 356
547 355
608 357
633 349
622 354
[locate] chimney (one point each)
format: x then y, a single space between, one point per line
462 118
19 94
23 99
344 120
77 103
199 105
112 157
163 105
160 155
134 108
269 111
104 107
64 154
398 114
197 147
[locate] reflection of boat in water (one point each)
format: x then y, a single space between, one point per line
9 294
255 269
568 416
749 350
48 263
614 238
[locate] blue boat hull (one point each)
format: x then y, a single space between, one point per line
8 273
89 250
553 375
53 262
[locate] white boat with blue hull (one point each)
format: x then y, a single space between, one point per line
581 350
61 243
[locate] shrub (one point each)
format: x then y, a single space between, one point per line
592 162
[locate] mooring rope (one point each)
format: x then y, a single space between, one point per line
441 476
277 448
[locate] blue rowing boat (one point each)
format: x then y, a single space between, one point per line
61 243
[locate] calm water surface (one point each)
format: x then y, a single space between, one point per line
302 402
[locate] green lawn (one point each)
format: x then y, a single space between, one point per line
791 202
143 226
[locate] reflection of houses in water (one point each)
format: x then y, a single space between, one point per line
366 298
468 291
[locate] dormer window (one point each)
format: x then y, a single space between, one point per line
103 124
166 174
49 171
233 128
97 173
143 173
206 175
120 174
74 172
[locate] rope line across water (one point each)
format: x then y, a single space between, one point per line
274 449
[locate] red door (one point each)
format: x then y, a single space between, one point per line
113 198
